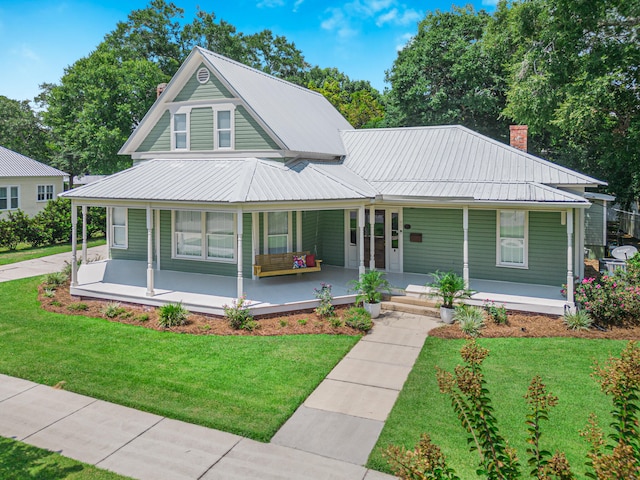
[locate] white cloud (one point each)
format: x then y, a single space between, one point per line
404 40
490 3
26 53
297 4
394 17
270 3
339 23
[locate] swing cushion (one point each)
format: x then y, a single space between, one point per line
299 261
311 260
270 265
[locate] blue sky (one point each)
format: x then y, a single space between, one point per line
39 39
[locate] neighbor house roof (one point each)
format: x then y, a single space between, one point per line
224 181
13 164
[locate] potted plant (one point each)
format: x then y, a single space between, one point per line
450 287
369 288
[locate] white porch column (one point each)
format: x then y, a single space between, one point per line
570 255
361 268
149 251
158 240
108 232
372 238
84 234
298 230
465 245
580 244
240 282
255 236
74 244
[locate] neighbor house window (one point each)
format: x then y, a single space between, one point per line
119 227
9 198
223 129
180 131
512 238
45 192
205 235
277 232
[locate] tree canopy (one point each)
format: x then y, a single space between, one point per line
21 129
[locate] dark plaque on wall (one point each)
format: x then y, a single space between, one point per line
415 237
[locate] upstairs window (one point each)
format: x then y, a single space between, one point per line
45 192
9 198
180 131
512 233
223 129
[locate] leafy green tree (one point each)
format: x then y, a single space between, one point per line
21 129
447 75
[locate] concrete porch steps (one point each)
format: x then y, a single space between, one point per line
416 306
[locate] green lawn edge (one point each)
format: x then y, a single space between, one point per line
20 461
565 365
247 385
7 257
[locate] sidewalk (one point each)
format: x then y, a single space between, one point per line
329 437
44 265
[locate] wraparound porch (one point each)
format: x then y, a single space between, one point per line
126 281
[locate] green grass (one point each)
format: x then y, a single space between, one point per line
25 252
565 367
19 461
248 385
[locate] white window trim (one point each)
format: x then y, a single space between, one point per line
112 235
232 141
9 208
499 262
186 111
203 233
266 232
45 199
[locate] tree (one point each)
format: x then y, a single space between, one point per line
21 129
447 75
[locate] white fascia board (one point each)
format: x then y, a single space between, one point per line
209 155
470 202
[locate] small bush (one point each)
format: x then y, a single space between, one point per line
172 315
78 307
578 320
143 317
251 325
611 300
238 314
204 327
56 303
335 322
323 294
358 318
470 319
55 279
497 313
302 321
283 323
49 292
112 310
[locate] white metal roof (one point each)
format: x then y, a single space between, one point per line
304 120
13 164
222 181
448 154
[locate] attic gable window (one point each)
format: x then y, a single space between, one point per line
179 131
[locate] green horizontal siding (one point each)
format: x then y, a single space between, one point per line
442 238
159 139
547 249
249 135
136 237
310 233
332 237
201 129
194 90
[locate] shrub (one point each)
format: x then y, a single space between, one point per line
610 300
470 319
358 318
497 313
578 320
449 286
172 315
323 294
335 322
78 307
283 323
55 220
55 279
302 321
49 292
8 235
112 310
143 317
238 314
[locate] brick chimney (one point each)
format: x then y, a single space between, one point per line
518 137
160 88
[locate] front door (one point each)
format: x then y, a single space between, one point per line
379 232
392 234
386 237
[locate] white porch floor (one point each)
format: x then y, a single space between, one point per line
125 281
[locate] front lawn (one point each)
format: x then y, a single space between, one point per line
19 461
26 252
248 385
564 365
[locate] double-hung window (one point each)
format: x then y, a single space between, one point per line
45 192
205 235
180 131
119 227
277 232
9 198
512 238
223 129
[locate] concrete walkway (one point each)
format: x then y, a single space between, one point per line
44 265
329 437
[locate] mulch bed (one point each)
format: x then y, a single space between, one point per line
295 323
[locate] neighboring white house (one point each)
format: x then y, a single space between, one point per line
27 184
